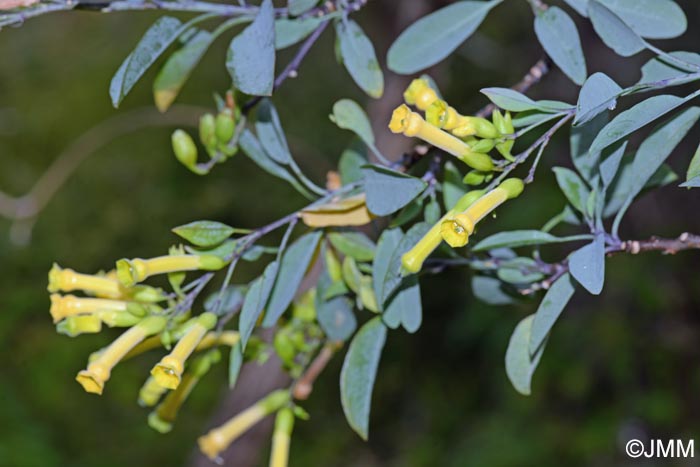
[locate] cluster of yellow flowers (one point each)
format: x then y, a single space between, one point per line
468 138
117 298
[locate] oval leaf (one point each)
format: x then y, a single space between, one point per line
348 115
387 244
251 54
613 31
654 19
587 265
559 37
549 311
255 301
359 58
291 31
204 233
359 373
354 244
573 187
517 238
388 190
515 101
435 36
598 94
336 318
520 363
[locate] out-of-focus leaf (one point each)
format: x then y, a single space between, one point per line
158 37
435 36
234 364
359 373
291 31
255 301
394 276
490 290
694 166
520 362
271 134
298 7
359 58
388 190
178 68
404 307
204 233
587 265
251 54
518 238
432 212
354 244
351 274
519 271
654 19
452 186
559 37
614 31
387 244
293 266
231 300
551 307
351 161
598 94
336 317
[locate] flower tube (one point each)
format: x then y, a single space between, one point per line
133 271
220 438
63 306
420 94
98 371
281 438
67 280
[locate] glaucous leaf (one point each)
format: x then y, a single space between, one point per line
520 270
336 318
404 307
359 373
653 19
609 166
386 245
587 265
582 137
351 161
518 238
270 133
660 68
158 38
394 275
348 115
255 301
230 301
452 186
631 120
694 166
354 244
435 36
559 37
235 362
551 307
298 7
614 31
359 58
293 266
251 55
598 94
291 31
573 187
520 362
619 189
388 191
490 290
515 101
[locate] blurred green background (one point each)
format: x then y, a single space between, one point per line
619 366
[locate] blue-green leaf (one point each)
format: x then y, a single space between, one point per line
336 318
394 276
598 94
204 233
587 265
694 167
452 186
158 37
293 266
621 185
359 373
518 238
291 31
573 187
614 31
351 161
298 7
348 115
271 134
654 19
633 119
582 137
251 55
520 363
660 68
559 37
435 36
387 244
490 290
610 166
354 244
404 307
551 307
235 362
359 58
255 301
515 101
388 191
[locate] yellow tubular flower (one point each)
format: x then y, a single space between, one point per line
98 371
170 368
163 417
420 94
220 438
281 438
411 124
63 306
67 280
456 231
133 271
414 258
150 393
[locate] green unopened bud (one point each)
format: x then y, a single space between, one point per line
505 149
467 200
478 161
475 126
483 145
225 126
474 177
79 324
285 348
499 122
514 186
184 148
207 131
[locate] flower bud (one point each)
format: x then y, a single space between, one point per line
207 131
184 148
225 126
281 438
420 94
79 324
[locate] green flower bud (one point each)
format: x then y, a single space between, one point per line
514 186
474 177
184 148
483 145
225 126
478 161
207 131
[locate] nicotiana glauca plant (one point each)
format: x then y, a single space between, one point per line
427 215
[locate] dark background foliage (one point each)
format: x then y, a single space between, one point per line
620 366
